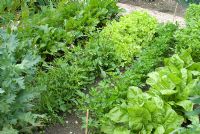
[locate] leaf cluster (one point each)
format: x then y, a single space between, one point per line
112 91
71 23
16 99
159 109
188 38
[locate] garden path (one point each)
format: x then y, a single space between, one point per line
160 16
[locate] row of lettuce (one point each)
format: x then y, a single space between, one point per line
82 54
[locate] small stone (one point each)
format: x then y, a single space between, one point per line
76 122
67 122
70 132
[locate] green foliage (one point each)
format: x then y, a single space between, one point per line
112 91
67 76
102 54
158 110
177 79
189 36
71 23
191 129
118 43
160 47
130 34
143 113
16 98
192 13
76 71
14 9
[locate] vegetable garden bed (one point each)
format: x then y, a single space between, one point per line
68 57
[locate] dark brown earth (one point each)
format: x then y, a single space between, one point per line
166 6
72 125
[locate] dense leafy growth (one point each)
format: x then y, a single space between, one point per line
112 91
189 36
63 80
15 9
132 74
157 112
143 113
71 23
80 67
130 35
15 97
192 14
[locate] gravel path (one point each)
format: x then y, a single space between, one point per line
161 17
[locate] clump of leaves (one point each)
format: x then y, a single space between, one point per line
161 46
16 98
70 23
161 109
130 34
17 9
176 82
112 91
67 76
143 113
192 14
188 38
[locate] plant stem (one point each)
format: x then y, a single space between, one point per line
87 116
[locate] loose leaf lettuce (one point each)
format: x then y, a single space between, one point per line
144 113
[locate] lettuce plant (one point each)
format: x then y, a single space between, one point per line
177 80
143 113
162 108
130 34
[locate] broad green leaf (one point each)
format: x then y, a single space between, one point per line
27 117
118 115
159 130
121 130
194 112
133 91
195 99
153 78
107 127
175 60
186 57
195 66
186 104
168 92
138 116
172 120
